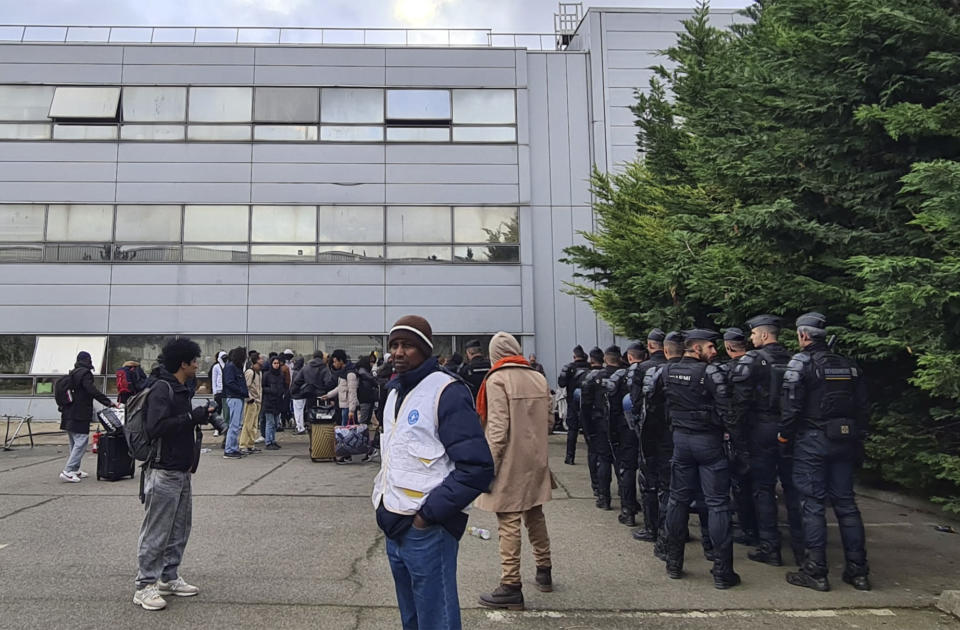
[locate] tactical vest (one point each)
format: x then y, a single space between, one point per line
831 390
771 366
689 404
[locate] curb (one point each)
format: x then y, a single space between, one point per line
912 503
949 602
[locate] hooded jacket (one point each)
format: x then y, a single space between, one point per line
216 374
274 389
313 380
77 417
346 390
170 419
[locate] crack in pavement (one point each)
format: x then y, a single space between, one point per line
561 485
354 574
263 476
29 507
46 461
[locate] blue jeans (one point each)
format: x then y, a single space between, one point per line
344 417
424 566
78 446
270 425
235 405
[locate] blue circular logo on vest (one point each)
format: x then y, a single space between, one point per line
413 417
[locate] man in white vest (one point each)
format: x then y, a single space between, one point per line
434 462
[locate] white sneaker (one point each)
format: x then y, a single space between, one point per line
259 440
177 587
81 474
69 477
149 598
216 433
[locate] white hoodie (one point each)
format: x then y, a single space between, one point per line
216 375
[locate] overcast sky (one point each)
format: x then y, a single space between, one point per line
505 16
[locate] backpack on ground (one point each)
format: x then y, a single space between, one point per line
65 390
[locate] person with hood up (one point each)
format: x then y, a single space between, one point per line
216 385
75 418
313 380
514 408
299 402
274 385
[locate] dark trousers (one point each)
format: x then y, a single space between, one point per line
700 462
825 468
573 429
628 452
766 466
599 456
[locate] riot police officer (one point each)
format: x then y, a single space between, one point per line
650 435
698 407
735 345
823 417
756 383
569 380
594 419
624 441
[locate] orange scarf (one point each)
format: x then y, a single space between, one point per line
515 359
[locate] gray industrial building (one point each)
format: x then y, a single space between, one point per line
302 188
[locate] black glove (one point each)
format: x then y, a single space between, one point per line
200 415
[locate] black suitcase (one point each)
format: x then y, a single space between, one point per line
113 458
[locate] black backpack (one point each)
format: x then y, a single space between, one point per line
142 447
65 390
775 386
368 389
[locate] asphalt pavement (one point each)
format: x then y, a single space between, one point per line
281 542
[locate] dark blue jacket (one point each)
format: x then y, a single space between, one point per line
462 436
234 384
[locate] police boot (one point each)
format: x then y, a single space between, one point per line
810 576
645 535
544 580
627 517
603 502
723 574
856 576
747 537
660 547
708 551
674 558
509 596
767 554
798 553
568 460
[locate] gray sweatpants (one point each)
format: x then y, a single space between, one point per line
166 525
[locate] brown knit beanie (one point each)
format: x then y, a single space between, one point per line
414 329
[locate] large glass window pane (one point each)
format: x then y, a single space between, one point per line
349 253
487 253
352 224
25 102
343 133
144 349
285 133
283 253
302 346
351 105
485 225
215 253
354 345
286 104
215 224
418 104
418 253
16 351
284 224
210 347
219 132
85 102
148 224
63 252
21 222
85 132
146 253
16 386
418 134
79 223
21 253
484 107
56 355
463 340
155 104
428 224
170 133
221 104
24 132
484 134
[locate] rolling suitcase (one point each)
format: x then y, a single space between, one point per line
113 458
321 442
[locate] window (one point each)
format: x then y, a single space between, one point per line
57 355
210 345
63 252
339 133
484 107
25 102
283 253
21 253
148 224
144 349
215 224
21 223
354 345
96 103
484 134
302 346
281 133
221 104
15 353
16 386
24 132
286 105
84 132
487 253
347 105
284 224
485 225
349 253
421 105
418 253
239 133
428 224
170 133
351 224
215 253
146 253
418 134
154 104
80 223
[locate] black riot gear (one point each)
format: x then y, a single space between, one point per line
593 417
570 380
624 442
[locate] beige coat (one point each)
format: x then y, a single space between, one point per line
518 423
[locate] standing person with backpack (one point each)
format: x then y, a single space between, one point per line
368 391
235 392
75 394
130 379
167 495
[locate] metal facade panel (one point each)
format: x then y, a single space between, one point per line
62 73
220 319
621 115
451 174
538 110
47 54
318 173
521 67
453 193
525 217
634 59
188 55
523 116
327 76
319 153
562 237
558 118
586 319
544 304
59 172
54 295
631 79
436 57
58 152
527 299
578 120
637 40
318 193
523 175
183 172
178 294
312 295
181 192
450 154
317 275
457 320
184 152
452 275
73 273
648 21
470 296
316 319
39 320
319 56
451 77
57 192
625 96
179 274
186 75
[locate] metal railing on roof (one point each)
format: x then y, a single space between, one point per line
293 36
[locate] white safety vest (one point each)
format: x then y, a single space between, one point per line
413 460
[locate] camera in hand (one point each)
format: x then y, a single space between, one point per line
211 417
